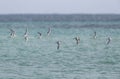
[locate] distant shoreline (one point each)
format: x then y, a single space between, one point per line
58 17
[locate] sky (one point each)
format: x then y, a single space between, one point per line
60 6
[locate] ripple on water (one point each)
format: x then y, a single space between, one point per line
39 59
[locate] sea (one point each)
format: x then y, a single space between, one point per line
39 58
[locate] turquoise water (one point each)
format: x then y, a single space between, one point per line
40 59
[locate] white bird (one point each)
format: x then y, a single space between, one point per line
12 34
58 44
26 32
94 36
40 34
77 40
26 35
108 40
49 31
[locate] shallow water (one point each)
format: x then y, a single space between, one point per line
39 58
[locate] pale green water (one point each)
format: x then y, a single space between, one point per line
39 58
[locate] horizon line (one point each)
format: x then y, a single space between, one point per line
59 13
